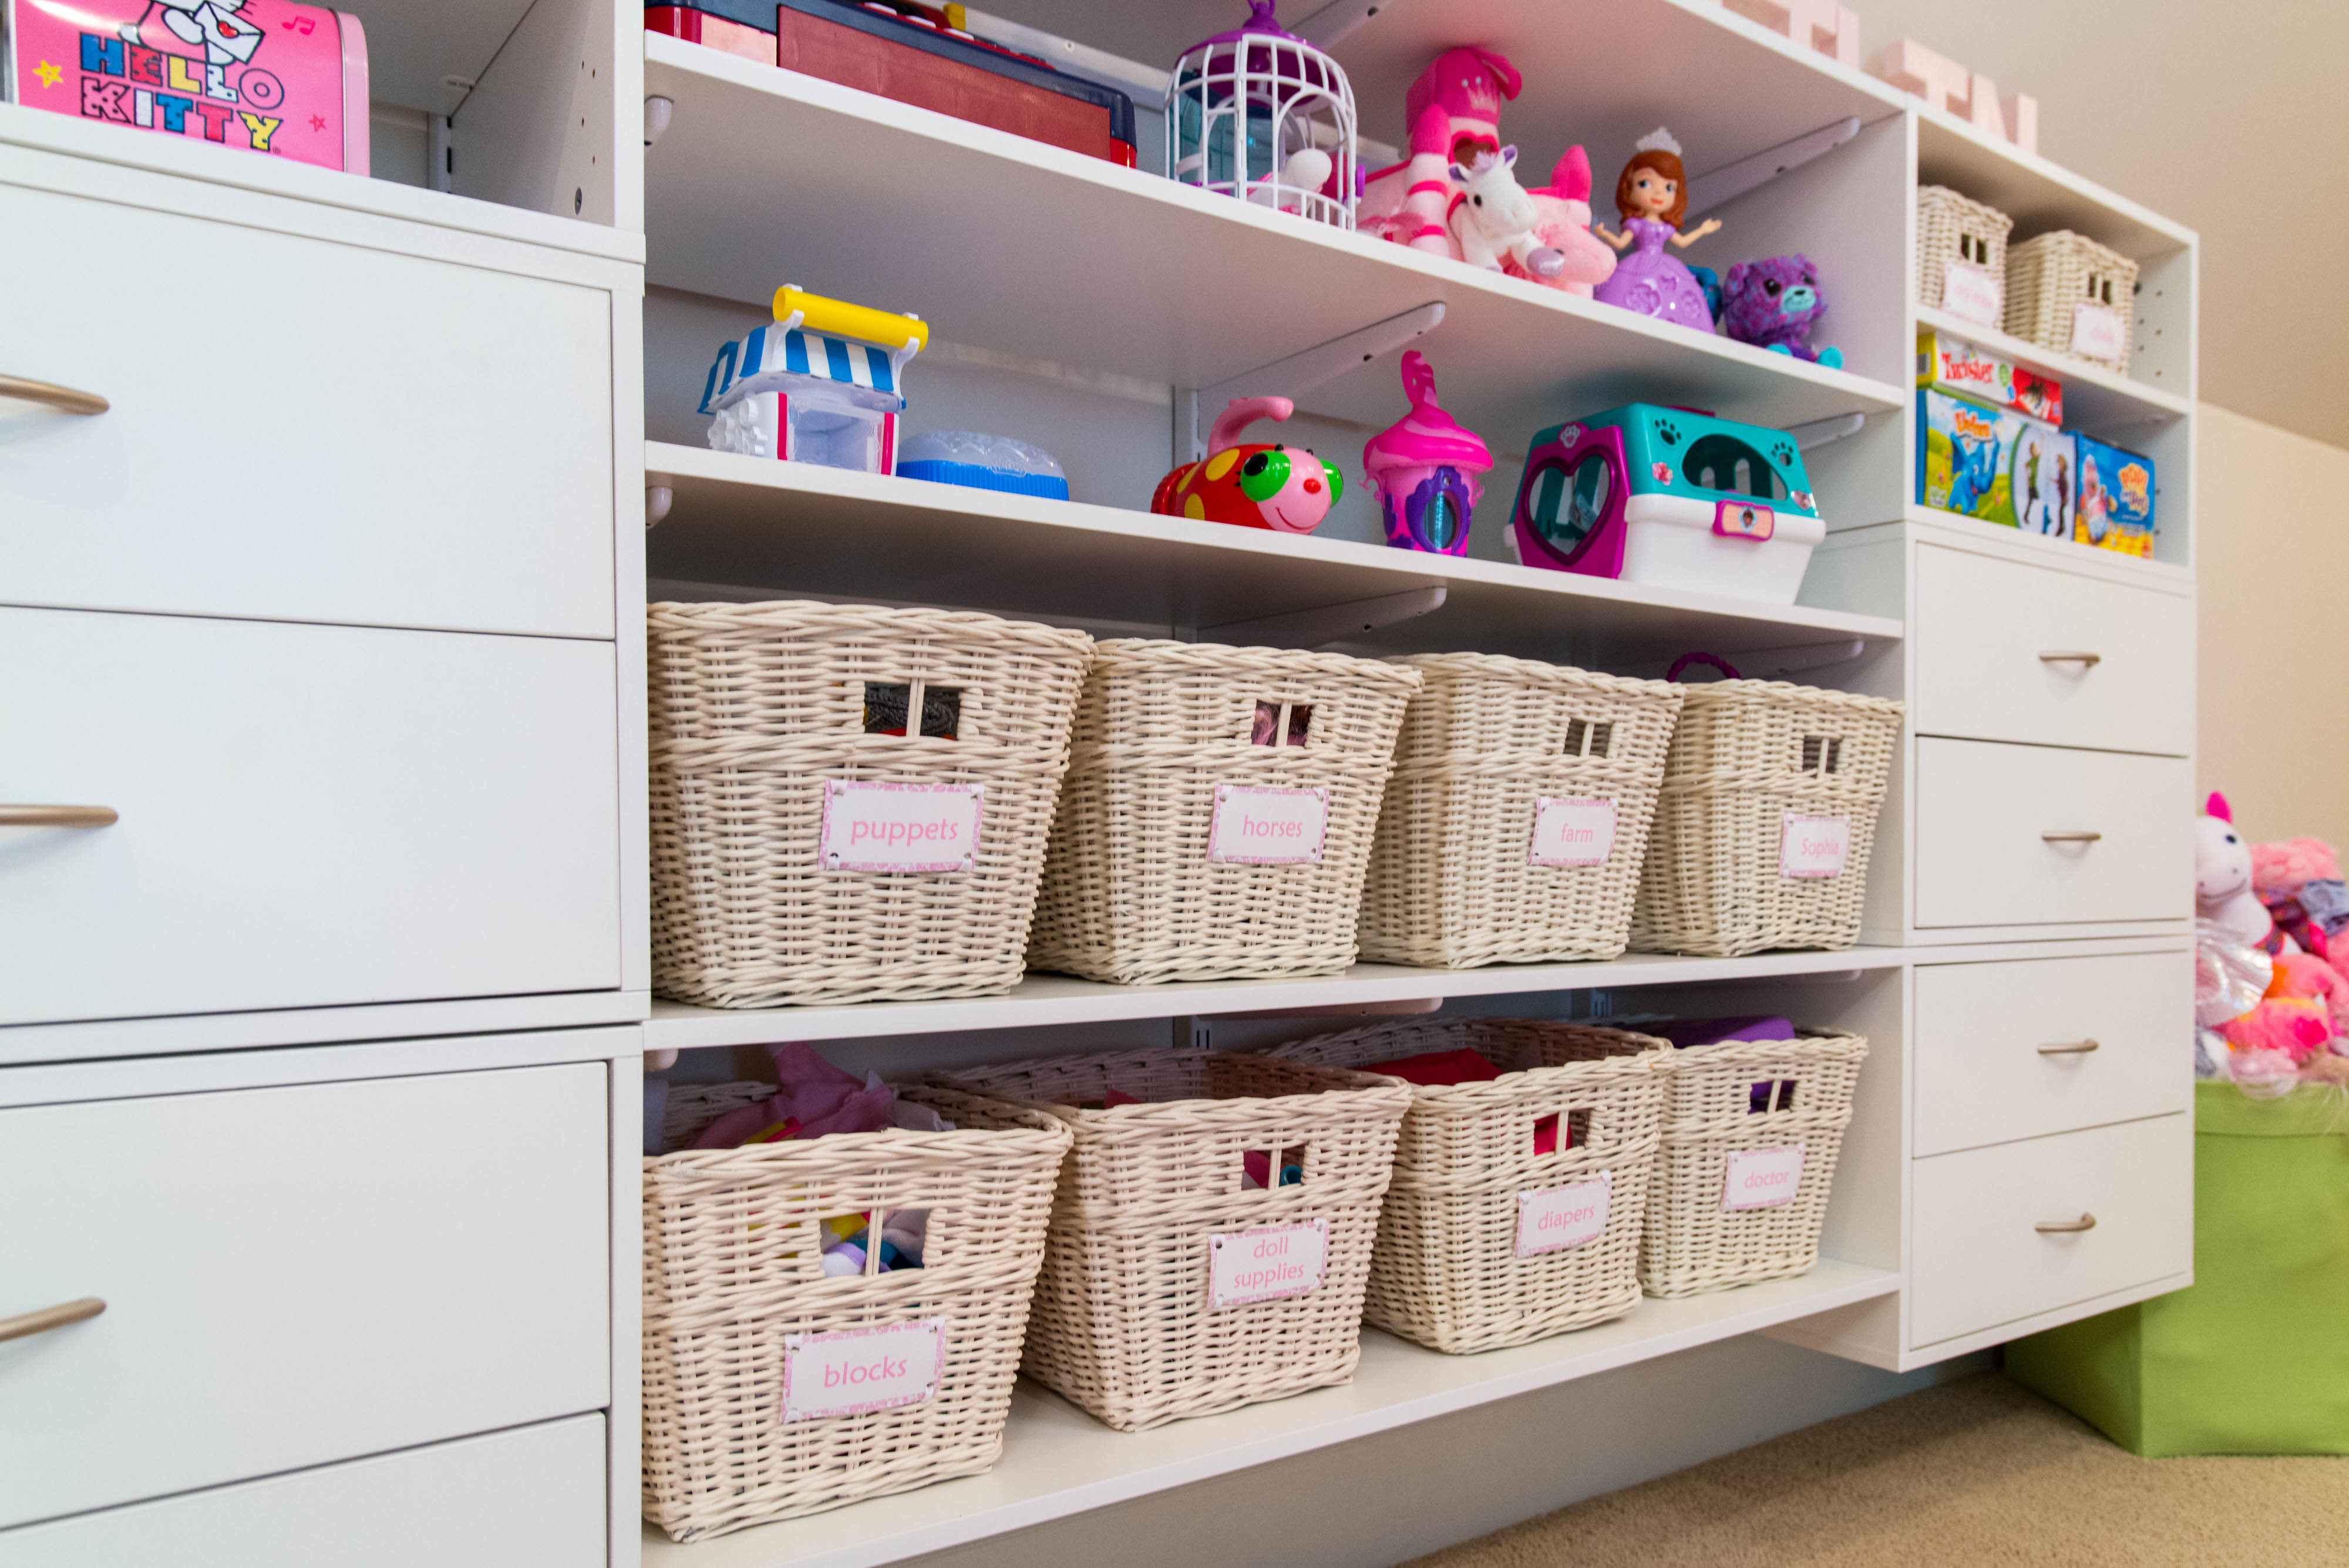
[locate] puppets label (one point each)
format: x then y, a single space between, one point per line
1265 1265
1969 294
886 826
1254 827
1763 1177
1564 1217
2098 332
861 1369
1571 832
1814 845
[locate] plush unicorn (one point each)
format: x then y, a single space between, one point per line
2223 879
1492 218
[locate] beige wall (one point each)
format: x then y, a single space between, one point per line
2271 549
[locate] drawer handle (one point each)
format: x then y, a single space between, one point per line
2066 1226
58 816
65 399
2060 656
26 1325
2077 1048
2070 835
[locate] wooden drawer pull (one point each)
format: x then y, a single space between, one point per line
2076 1048
2058 656
26 1325
58 816
2070 835
2066 1227
65 399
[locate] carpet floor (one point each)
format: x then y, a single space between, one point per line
1978 1472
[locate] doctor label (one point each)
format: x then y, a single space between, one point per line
882 826
1814 845
1246 1266
1763 1177
1564 1217
1254 827
1571 832
861 1369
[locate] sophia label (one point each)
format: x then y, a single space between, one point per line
1571 832
1763 1177
1562 1216
1971 295
1814 845
1259 826
877 826
1244 1266
2098 332
861 1369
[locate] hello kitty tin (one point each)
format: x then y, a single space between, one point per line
262 76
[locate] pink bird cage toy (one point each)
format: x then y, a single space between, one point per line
1261 114
1426 467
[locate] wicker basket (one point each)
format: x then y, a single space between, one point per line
733 1275
1170 740
1734 1116
1484 1242
1954 228
1126 1321
1763 781
2049 279
1493 748
761 718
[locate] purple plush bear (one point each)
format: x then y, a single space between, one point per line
1771 304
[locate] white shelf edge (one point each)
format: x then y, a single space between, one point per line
2158 401
2036 167
2143 571
1398 1385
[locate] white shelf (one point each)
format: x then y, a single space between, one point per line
2037 194
2047 549
1059 1461
2096 398
1049 999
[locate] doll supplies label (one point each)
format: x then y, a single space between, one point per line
1246 1266
884 826
1763 1177
861 1369
1570 1216
1257 826
1571 832
2098 332
1814 845
1971 295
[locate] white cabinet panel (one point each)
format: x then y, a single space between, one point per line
309 815
526 1499
294 1276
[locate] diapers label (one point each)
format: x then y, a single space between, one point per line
1256 826
861 1369
1246 1266
1763 1177
1563 1217
1972 295
900 826
1571 832
1814 845
2098 332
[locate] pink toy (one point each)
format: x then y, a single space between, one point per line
1424 466
2299 882
1469 86
1453 110
1564 225
2222 881
1492 218
1255 485
1820 25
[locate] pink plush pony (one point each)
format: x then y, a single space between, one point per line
1564 225
2307 1002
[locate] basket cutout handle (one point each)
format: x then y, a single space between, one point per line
1765 1096
1590 738
913 707
908 1230
1728 671
1280 723
1822 755
1561 1131
1258 1168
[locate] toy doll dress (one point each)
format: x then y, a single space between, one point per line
1653 281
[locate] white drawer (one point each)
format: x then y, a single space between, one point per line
526 1499
1978 1258
309 815
1985 813
2000 1046
294 1276
1983 626
301 428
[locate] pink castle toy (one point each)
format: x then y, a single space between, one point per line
1426 467
1454 111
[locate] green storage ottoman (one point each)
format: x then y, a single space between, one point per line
2250 1358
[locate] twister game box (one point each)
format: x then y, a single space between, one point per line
1962 370
1994 464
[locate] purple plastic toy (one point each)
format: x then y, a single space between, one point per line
1426 467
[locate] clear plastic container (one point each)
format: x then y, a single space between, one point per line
983 462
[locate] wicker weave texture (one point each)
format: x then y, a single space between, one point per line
1694 1243
732 1265
1446 1272
754 708
1130 894
1123 1325
1952 227
1745 757
2050 273
1452 882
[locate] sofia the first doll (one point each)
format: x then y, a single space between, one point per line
1653 197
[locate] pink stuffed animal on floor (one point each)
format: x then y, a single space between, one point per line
2222 877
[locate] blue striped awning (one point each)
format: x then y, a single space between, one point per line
771 351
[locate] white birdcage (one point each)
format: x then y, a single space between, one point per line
1261 114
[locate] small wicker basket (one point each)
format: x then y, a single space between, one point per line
1745 1122
760 713
1492 750
734 1277
1759 771
2054 279
1483 1241
1955 228
1127 1324
1173 741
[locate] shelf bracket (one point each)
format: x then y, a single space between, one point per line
1819 432
1324 27
1296 375
1777 663
1732 181
1328 623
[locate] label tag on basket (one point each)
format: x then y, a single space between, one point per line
1970 293
2098 332
1263 1265
861 1369
1563 1217
1763 1177
880 825
1259 827
1571 832
1814 845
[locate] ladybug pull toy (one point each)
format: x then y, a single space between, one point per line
1255 485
